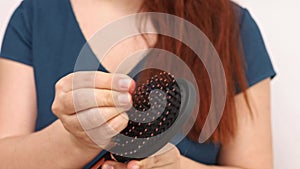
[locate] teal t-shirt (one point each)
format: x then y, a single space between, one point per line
44 34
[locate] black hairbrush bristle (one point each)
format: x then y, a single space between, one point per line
156 105
153 114
159 105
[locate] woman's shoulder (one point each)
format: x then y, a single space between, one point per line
45 14
258 62
44 6
40 3
240 12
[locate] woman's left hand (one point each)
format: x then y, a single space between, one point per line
170 159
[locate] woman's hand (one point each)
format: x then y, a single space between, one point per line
91 106
170 159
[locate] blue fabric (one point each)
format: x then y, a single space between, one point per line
44 34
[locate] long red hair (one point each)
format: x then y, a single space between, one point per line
218 20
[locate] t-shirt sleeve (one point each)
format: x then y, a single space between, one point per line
17 42
258 62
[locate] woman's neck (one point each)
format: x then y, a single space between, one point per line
117 6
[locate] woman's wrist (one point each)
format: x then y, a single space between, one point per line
77 145
75 153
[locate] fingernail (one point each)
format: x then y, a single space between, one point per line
124 84
132 87
105 166
135 167
124 99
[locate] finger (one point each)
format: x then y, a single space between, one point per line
108 130
95 79
113 165
163 160
95 117
83 99
134 165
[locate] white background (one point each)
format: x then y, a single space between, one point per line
279 21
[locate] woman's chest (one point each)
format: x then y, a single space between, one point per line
92 20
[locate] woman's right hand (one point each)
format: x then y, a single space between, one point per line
91 106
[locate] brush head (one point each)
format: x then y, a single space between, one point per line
156 106
162 107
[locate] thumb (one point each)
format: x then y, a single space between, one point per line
113 165
134 165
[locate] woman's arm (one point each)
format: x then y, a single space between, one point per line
20 147
252 146
49 148
18 99
250 149
65 143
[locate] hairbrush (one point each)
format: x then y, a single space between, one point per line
161 105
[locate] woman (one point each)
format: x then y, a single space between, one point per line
40 47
